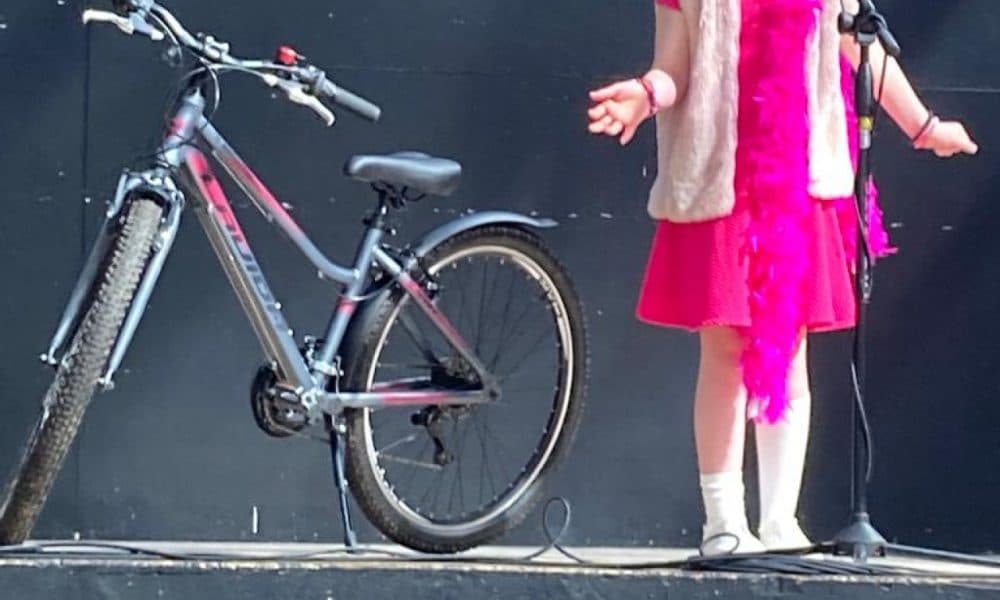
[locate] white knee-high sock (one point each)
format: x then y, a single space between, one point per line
724 498
781 453
726 530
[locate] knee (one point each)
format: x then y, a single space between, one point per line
798 390
721 346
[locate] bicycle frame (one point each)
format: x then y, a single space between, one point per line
307 378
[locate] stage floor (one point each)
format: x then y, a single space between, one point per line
249 570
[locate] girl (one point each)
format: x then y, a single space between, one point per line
757 227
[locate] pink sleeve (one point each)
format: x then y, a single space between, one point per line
674 4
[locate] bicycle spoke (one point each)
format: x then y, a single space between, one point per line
504 319
486 460
408 366
523 356
399 442
407 461
482 301
461 483
500 445
432 486
423 448
437 487
507 324
461 309
514 339
484 455
522 389
458 459
518 320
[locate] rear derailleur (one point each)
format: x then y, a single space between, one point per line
449 373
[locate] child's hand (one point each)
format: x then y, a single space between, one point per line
619 109
947 138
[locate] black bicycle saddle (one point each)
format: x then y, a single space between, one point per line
415 171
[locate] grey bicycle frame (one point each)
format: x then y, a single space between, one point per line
306 377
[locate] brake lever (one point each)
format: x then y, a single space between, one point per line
297 93
134 23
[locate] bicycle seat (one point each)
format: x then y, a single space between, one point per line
416 171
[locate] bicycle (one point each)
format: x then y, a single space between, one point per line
408 371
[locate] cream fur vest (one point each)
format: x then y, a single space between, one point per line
697 137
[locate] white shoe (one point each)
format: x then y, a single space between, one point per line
784 535
724 540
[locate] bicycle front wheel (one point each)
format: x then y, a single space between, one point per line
445 479
77 376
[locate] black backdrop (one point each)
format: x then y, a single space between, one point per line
173 453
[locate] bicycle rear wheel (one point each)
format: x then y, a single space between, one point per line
77 375
445 479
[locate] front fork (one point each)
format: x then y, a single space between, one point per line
158 186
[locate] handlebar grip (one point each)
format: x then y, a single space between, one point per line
352 101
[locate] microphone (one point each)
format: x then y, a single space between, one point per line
869 21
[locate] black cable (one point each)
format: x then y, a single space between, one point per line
881 87
720 536
865 426
864 239
205 67
943 554
42 548
37 548
552 541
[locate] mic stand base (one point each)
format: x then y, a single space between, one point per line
859 540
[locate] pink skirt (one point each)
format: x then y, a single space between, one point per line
697 274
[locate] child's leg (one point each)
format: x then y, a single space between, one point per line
781 452
720 431
720 402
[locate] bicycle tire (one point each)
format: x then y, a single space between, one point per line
77 375
385 511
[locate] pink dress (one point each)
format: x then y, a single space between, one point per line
700 274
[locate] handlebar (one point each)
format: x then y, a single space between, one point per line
351 101
303 85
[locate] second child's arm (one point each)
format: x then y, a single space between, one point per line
903 105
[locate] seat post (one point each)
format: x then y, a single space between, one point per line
377 218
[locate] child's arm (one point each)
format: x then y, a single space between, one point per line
621 107
904 106
671 60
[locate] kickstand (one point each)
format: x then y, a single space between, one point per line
337 447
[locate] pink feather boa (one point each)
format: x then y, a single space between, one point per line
772 181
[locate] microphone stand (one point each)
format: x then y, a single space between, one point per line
859 538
